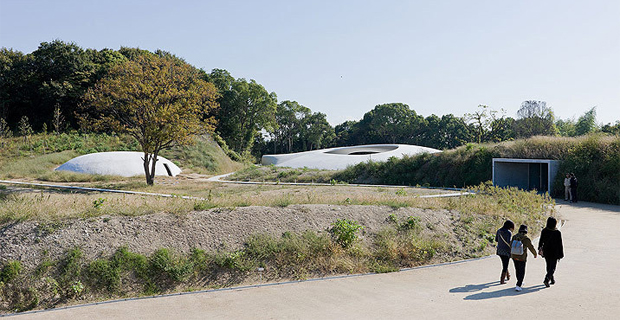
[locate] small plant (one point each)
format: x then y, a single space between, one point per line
411 223
10 271
203 205
98 203
345 231
401 192
392 218
77 288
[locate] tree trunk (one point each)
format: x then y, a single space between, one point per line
153 163
145 163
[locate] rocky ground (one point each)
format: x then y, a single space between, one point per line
31 241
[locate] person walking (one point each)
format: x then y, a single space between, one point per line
573 188
503 236
519 257
567 196
550 247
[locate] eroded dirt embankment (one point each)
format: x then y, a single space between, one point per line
30 242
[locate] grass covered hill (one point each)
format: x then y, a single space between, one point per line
36 156
594 159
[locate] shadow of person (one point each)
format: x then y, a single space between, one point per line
475 287
504 293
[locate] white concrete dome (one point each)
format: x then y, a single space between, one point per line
118 163
342 157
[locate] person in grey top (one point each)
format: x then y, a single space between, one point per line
503 237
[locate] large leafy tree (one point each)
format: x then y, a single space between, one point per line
534 118
586 123
55 76
315 132
246 108
158 100
289 118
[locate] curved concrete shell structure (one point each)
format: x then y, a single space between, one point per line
118 163
340 158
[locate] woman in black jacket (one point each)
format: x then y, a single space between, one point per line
503 236
550 247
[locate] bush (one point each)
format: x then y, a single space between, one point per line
10 271
345 231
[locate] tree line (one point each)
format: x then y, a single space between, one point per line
61 86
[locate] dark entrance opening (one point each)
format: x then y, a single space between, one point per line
168 169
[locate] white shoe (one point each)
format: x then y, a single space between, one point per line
517 288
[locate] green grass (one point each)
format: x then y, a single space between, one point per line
37 157
595 159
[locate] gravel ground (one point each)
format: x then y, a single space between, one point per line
30 241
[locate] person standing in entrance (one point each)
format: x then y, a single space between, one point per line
503 236
520 259
567 196
550 247
573 188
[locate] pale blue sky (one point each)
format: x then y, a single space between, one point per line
344 57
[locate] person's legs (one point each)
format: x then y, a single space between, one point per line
520 271
505 261
551 265
566 193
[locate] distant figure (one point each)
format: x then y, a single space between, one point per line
573 188
550 247
503 236
520 259
567 196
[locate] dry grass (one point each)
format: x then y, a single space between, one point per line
24 204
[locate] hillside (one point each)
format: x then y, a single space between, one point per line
35 157
595 160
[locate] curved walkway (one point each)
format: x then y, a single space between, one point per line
588 287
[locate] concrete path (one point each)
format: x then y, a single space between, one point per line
588 287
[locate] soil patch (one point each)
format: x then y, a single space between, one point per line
216 229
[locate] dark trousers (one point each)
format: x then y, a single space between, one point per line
520 271
551 265
573 194
505 261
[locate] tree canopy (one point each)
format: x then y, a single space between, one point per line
157 100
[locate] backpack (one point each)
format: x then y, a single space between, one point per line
516 248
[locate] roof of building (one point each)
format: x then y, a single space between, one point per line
119 163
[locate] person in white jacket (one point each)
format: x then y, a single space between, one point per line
567 195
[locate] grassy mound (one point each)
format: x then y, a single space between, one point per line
37 156
594 159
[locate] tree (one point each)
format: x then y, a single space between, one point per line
5 131
316 132
246 108
58 120
534 118
611 129
565 128
455 132
480 121
289 118
586 123
159 101
25 129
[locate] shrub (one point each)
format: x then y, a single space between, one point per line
164 266
345 231
10 271
412 223
104 274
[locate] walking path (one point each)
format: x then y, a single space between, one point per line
588 287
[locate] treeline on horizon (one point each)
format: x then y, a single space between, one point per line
45 91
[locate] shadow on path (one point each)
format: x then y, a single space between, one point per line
508 292
475 287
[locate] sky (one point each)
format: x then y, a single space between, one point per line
343 58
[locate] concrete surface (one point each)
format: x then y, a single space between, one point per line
588 287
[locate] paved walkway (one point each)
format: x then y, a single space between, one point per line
588 287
